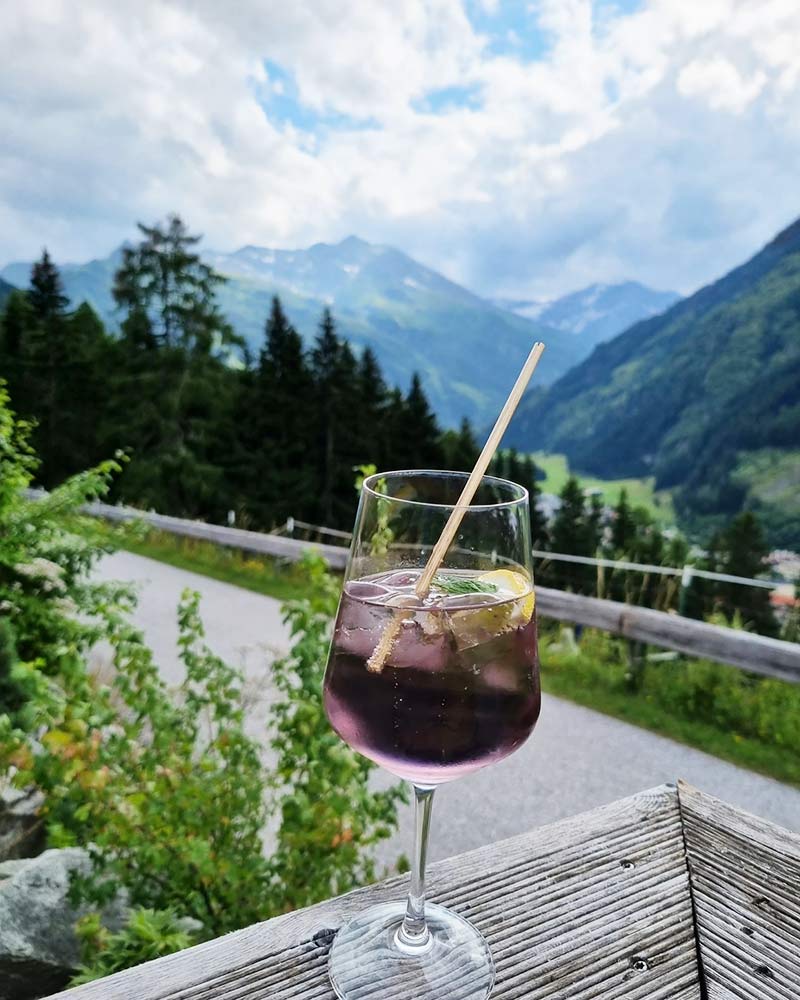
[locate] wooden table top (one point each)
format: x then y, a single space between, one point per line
669 894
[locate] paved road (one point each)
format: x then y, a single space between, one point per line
576 759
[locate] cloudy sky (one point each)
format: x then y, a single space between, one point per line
519 147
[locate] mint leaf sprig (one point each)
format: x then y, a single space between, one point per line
463 585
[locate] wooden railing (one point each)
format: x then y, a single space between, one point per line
756 653
248 541
746 650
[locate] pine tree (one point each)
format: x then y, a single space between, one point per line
399 453
16 324
16 321
539 530
168 359
335 373
45 359
459 448
568 532
81 394
370 411
137 331
46 293
569 536
744 550
277 426
646 546
325 366
420 429
622 525
163 279
594 523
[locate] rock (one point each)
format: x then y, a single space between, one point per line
38 946
21 832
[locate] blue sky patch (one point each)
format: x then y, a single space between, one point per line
438 102
281 102
511 29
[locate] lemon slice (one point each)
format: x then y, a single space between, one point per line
479 625
510 582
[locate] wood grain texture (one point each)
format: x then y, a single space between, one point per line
745 877
756 653
595 906
237 538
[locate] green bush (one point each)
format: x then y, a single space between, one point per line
165 788
738 705
50 613
148 934
328 815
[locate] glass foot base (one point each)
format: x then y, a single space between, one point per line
365 961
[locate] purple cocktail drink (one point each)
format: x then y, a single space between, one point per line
459 688
432 673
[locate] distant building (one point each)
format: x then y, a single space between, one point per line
549 505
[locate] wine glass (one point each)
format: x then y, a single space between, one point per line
430 687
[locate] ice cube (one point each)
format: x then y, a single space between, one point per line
399 579
413 648
477 625
404 601
364 590
358 627
462 601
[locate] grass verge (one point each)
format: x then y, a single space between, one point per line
641 492
747 720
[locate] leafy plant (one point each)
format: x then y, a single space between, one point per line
328 814
754 720
148 934
165 788
50 611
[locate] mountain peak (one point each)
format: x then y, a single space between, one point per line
352 242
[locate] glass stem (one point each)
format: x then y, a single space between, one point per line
413 934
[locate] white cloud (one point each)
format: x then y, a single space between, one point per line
719 82
659 144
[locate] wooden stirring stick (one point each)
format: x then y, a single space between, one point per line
376 662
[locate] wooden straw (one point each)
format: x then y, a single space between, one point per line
384 647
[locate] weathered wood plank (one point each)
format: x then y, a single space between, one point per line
248 541
757 653
595 906
745 878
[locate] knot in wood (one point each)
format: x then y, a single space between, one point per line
324 937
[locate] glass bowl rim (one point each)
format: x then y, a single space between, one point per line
370 481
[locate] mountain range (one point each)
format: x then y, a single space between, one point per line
596 313
467 349
705 397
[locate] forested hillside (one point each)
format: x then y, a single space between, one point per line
279 435
414 319
705 396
